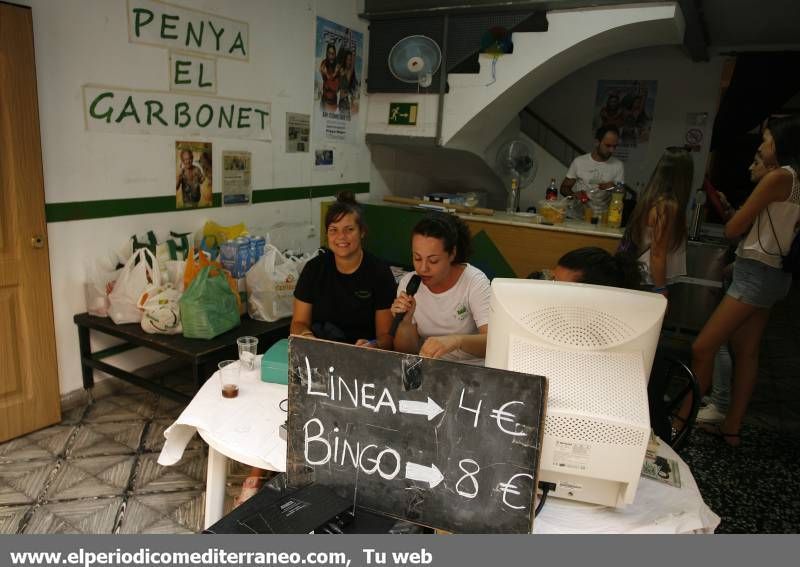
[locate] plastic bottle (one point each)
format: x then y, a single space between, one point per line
552 191
616 206
513 197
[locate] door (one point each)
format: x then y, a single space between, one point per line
29 393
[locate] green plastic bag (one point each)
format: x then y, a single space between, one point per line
208 306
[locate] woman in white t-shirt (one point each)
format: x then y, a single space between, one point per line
449 314
769 217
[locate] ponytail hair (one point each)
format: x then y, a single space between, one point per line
451 230
345 205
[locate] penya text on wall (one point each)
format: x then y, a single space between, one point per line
443 444
189 108
175 27
117 109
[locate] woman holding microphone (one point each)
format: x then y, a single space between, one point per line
448 316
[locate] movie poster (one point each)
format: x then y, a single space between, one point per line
193 187
337 81
628 105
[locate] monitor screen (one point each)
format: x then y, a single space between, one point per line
595 345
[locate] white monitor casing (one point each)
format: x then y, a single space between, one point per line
595 345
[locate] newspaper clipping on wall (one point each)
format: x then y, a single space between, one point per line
297 132
237 187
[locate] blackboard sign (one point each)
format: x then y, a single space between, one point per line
447 445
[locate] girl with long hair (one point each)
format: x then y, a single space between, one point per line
769 219
657 227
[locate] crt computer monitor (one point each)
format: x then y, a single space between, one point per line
595 345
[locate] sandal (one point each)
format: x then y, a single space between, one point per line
250 487
715 429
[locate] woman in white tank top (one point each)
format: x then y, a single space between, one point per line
758 280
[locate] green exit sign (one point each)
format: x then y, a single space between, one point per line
403 113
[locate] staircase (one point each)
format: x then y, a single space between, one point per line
476 107
544 134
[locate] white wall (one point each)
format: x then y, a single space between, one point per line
683 86
86 41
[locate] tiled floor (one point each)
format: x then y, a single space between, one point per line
96 472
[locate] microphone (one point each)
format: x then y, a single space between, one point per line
411 289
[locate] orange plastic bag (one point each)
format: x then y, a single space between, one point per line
198 261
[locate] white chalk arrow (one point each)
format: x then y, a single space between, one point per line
432 475
429 408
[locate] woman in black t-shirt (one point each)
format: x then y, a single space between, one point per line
345 294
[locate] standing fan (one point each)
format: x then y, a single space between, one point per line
415 59
517 167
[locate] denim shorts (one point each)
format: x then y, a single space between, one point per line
757 284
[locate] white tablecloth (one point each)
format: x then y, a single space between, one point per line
658 508
244 428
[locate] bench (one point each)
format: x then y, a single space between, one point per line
195 353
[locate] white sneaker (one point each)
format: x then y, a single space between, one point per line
710 414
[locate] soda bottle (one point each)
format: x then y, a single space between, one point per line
552 191
616 206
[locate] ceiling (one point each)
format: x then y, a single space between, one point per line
712 26
743 25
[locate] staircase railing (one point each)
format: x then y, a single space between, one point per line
545 134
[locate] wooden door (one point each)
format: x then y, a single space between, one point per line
29 392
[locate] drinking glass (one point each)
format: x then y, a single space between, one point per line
247 352
229 378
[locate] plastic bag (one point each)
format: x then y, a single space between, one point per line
175 271
215 234
160 310
208 306
140 272
196 262
99 284
270 286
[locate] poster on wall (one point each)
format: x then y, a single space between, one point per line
237 186
193 187
628 105
323 158
297 132
337 80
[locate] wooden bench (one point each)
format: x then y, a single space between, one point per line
195 353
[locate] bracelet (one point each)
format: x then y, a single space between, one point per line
659 289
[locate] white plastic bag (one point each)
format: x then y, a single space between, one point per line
140 272
161 312
175 270
100 282
270 286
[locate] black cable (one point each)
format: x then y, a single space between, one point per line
546 488
280 405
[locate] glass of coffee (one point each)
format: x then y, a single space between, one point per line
229 378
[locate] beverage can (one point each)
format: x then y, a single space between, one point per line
257 246
243 257
228 254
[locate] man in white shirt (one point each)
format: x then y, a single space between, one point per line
597 170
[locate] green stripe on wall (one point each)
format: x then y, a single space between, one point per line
82 210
